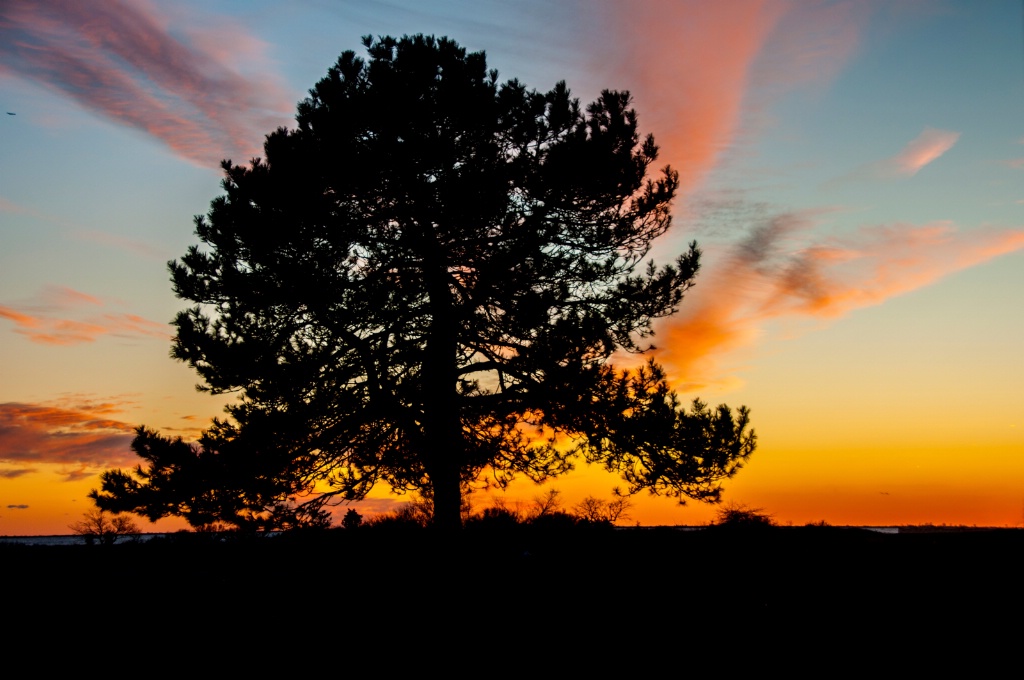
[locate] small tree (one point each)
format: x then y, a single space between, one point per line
352 519
423 283
546 504
597 511
104 528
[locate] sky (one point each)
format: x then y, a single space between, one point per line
853 171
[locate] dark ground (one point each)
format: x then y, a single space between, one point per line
601 587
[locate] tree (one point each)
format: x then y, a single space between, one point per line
352 519
97 525
596 511
423 282
214 482
546 504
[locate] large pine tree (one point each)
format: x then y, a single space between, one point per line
424 282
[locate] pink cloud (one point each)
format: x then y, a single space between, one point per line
120 60
12 207
80 439
922 150
694 65
781 272
46 321
687 65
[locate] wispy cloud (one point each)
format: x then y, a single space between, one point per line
693 65
17 472
688 64
45 320
83 438
178 80
1015 163
12 207
63 297
781 270
922 150
131 245
810 44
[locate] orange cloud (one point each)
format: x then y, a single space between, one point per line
924 149
62 296
62 332
775 273
41 323
23 320
79 438
120 60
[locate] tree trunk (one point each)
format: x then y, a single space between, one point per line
443 424
443 430
447 499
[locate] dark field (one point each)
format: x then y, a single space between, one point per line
779 583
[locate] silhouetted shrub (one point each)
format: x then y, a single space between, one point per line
497 517
743 517
352 519
557 520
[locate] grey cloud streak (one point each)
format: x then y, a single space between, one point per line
118 60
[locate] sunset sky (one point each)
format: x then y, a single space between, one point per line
854 172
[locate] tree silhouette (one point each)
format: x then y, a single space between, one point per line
352 519
97 525
423 283
597 511
216 481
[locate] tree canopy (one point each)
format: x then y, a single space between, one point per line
422 284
